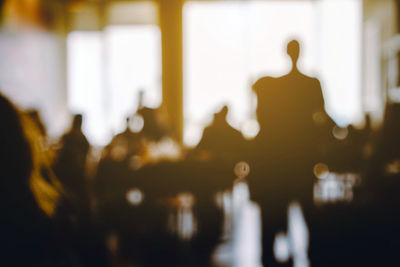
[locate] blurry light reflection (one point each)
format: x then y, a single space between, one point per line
319 118
241 237
295 243
393 167
340 133
321 170
135 162
182 221
335 188
250 129
119 151
165 149
134 196
242 169
112 243
136 123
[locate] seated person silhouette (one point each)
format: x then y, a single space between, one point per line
126 144
220 140
289 107
154 127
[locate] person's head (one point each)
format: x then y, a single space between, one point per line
77 121
23 159
222 113
368 123
16 152
293 50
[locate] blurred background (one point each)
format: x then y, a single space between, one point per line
150 116
65 53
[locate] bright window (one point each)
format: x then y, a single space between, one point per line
229 45
106 71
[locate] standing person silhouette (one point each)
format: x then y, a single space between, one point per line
293 125
70 168
287 104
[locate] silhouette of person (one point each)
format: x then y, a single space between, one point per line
128 141
220 141
120 158
74 212
286 105
293 125
28 201
154 128
70 167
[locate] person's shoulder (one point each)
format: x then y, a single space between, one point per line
265 79
263 82
315 81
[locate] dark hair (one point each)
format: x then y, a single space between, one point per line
23 160
15 153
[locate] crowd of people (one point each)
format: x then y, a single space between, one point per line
129 210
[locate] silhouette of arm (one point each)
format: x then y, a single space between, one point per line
319 103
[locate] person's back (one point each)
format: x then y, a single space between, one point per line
221 141
70 169
286 105
303 99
